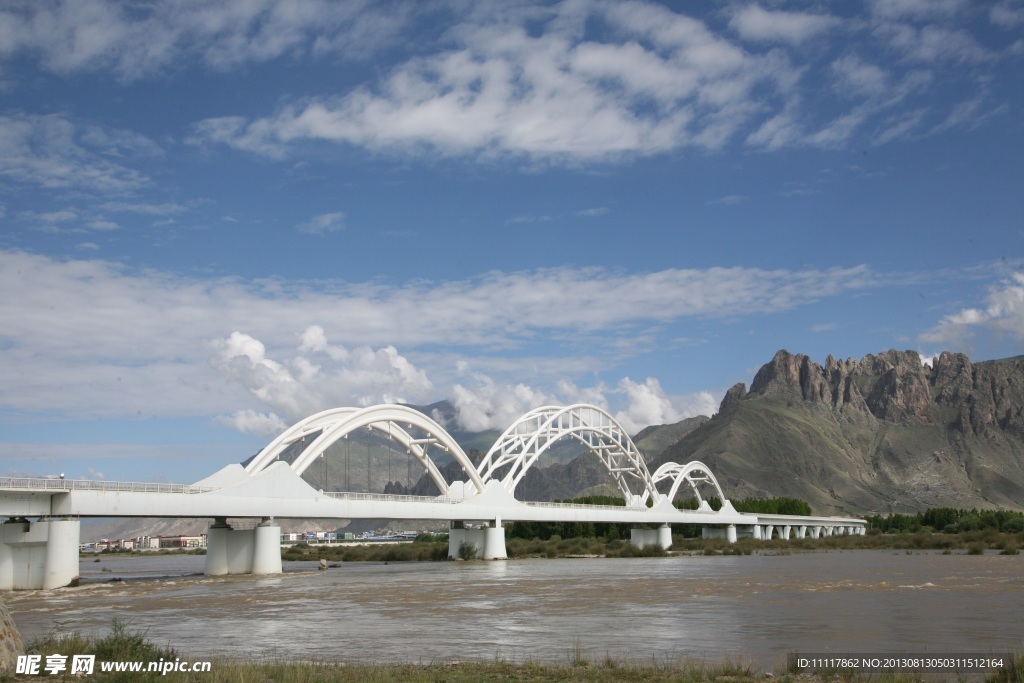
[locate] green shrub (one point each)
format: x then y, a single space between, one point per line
467 551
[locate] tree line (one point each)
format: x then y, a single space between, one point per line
948 521
618 531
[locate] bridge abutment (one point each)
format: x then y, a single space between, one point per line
243 551
41 554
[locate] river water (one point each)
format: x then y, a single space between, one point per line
751 609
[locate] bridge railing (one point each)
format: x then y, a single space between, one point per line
581 506
37 484
389 497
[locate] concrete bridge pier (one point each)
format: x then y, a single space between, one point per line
662 536
243 551
489 541
728 532
41 554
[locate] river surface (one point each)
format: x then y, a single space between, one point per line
751 609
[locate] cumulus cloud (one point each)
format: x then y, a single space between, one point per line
251 422
482 403
1002 315
319 376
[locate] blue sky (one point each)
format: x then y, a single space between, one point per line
219 218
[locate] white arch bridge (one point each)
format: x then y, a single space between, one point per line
44 553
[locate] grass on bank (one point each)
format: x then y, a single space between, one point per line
434 548
973 542
123 644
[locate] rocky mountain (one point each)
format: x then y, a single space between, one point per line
883 433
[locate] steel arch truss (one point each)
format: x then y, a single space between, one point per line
327 427
536 431
692 473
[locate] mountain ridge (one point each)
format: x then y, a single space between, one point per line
884 433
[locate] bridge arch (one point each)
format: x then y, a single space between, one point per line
329 426
692 473
535 432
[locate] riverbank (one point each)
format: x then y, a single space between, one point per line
556 547
435 547
123 645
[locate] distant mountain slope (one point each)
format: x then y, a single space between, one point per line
880 434
652 441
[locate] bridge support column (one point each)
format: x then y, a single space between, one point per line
785 532
456 537
728 532
815 531
217 547
494 542
41 554
768 532
243 551
665 536
266 552
488 541
661 537
801 531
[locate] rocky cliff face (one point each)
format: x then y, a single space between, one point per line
894 386
872 435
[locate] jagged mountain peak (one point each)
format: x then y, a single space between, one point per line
856 435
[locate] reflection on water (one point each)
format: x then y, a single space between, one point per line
757 607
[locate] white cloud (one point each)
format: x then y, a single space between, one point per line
916 9
54 152
1003 315
859 78
756 23
323 224
135 41
145 208
488 405
1007 15
249 421
92 338
729 200
483 403
327 377
934 43
503 90
62 216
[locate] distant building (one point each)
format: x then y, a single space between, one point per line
183 541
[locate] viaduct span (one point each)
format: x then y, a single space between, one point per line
44 553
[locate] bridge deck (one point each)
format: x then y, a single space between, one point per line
77 498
